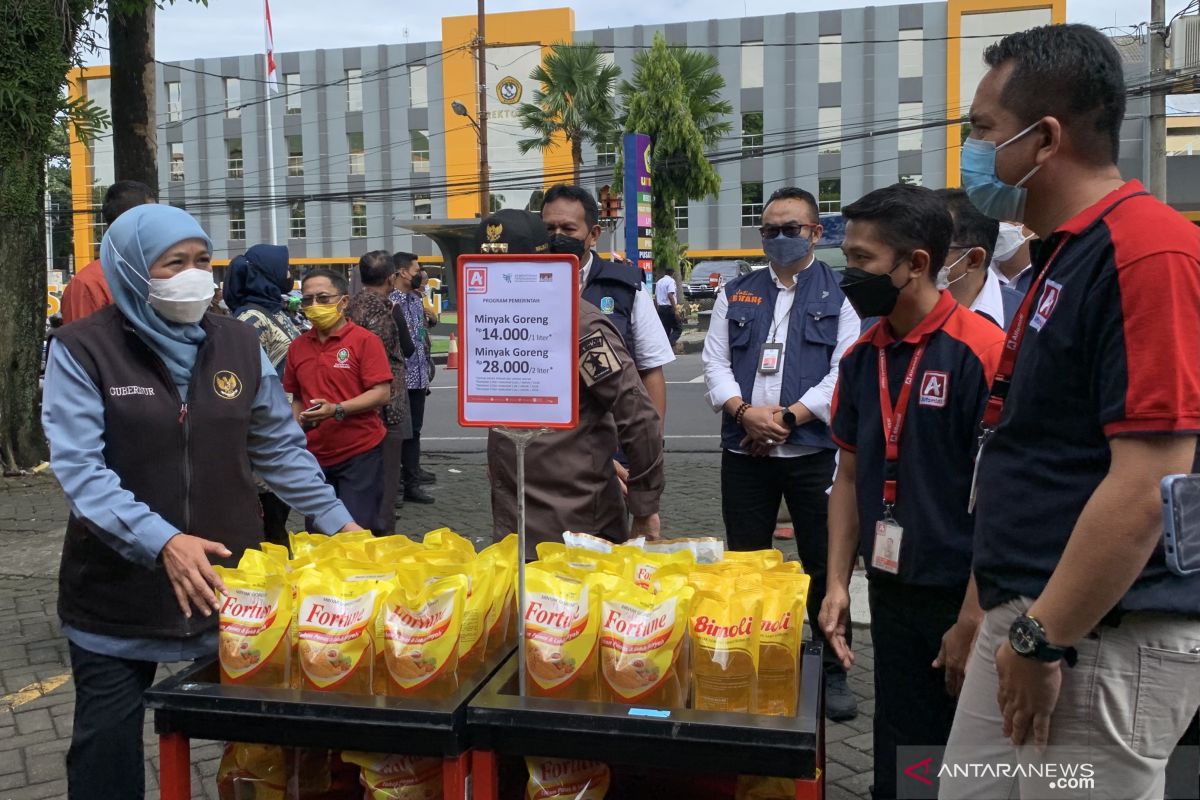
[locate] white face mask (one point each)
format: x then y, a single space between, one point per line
943 276
183 298
1009 240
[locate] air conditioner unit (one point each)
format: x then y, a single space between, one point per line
1185 43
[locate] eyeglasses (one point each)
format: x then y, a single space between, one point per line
320 299
791 230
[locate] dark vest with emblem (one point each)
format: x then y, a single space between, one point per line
621 283
811 339
187 463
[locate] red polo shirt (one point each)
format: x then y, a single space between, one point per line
345 365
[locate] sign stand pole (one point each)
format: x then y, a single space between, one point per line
521 439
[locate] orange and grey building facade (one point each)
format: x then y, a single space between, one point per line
366 136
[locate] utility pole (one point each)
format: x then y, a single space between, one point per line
485 200
1158 100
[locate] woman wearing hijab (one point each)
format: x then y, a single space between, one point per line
156 414
254 288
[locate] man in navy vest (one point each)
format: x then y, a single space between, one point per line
572 219
770 364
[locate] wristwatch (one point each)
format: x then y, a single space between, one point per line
1028 639
789 418
339 413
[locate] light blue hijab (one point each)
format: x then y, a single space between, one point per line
132 243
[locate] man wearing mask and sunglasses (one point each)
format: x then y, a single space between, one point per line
770 364
965 273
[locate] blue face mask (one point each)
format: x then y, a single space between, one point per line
784 251
987 192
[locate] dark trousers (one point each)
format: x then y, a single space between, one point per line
411 454
275 515
356 482
670 323
751 489
393 447
106 758
912 707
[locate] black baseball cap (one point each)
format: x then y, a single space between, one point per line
512 230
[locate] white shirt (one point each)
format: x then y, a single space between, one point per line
990 299
995 270
722 385
650 346
664 289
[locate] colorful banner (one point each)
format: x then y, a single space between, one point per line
638 226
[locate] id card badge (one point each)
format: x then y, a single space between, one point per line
772 353
886 555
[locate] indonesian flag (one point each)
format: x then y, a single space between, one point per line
272 73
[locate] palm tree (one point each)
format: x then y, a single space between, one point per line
574 100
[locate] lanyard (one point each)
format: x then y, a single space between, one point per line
893 419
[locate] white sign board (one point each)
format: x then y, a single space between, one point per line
518 341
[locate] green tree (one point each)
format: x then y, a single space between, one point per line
675 98
573 100
131 56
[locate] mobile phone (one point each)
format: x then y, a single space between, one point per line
1181 523
315 407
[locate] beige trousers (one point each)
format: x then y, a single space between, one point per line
1121 711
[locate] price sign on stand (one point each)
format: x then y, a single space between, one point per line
518 325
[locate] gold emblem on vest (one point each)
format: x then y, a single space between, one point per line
227 385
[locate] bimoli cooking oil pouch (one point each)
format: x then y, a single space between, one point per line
724 629
495 560
778 685
641 640
252 772
705 549
579 558
446 539
420 633
335 641
398 777
761 560
641 567
562 622
254 621
566 779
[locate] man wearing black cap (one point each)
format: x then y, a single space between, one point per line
570 483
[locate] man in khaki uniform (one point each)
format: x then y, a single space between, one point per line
570 481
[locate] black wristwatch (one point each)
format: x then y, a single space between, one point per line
1027 638
339 413
789 418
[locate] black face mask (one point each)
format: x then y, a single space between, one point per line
416 281
565 245
870 294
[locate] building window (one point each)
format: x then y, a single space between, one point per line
829 195
910 114
829 133
296 227
752 65
912 179
829 59
606 154
418 87
358 218
237 221
174 102
912 53
176 162
420 150
423 206
295 147
292 82
358 161
681 216
354 90
233 158
233 98
752 133
752 205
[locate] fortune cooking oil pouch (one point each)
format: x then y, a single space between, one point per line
276 551
585 541
252 772
566 779
420 633
398 777
256 561
778 685
725 629
494 559
562 620
761 560
643 568
641 639
304 543
579 558
446 539
254 619
334 621
705 549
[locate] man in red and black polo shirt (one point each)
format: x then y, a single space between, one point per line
908 402
1090 646
338 374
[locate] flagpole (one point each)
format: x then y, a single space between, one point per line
270 128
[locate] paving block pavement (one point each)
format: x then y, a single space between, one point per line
37 706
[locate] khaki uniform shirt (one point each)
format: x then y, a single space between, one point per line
569 476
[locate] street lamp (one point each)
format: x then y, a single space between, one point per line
484 195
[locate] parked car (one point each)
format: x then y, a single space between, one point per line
709 276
